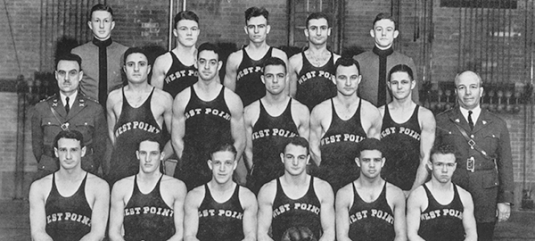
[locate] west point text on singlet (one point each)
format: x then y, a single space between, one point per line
380 214
136 125
446 212
68 216
246 71
207 111
296 206
166 212
180 74
313 74
401 130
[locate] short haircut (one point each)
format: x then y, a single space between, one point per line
134 50
296 141
185 15
69 57
401 68
69 134
255 12
225 146
465 71
442 148
274 61
346 62
382 16
155 138
371 144
209 47
318 15
100 7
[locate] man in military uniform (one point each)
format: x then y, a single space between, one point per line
481 141
68 110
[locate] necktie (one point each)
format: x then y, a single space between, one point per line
67 106
470 121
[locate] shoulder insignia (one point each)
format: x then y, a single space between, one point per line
457 120
484 122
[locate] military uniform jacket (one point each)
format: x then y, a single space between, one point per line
85 116
491 182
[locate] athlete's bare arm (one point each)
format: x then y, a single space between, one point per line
233 62
177 190
320 119
327 216
266 196
98 197
427 138
295 65
416 203
159 70
178 126
371 119
236 121
301 117
250 208
250 116
396 200
39 191
344 200
469 221
118 202
191 217
113 110
164 101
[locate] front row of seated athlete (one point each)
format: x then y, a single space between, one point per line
72 204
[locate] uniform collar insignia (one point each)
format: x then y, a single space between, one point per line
55 102
82 103
484 122
457 120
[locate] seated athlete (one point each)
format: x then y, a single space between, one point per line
148 205
69 204
220 209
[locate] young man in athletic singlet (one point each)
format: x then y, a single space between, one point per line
69 204
337 126
370 208
244 66
269 123
408 133
205 115
440 210
296 199
135 112
312 71
148 205
221 209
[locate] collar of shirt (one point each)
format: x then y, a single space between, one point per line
475 113
71 98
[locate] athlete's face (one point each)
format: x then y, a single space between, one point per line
208 64
68 75
69 153
257 29
101 24
187 32
275 79
384 32
149 156
295 159
136 68
222 164
401 85
468 89
347 79
318 31
442 166
371 163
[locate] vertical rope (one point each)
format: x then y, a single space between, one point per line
12 37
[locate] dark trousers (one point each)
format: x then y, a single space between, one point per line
485 231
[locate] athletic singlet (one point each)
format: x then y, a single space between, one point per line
67 218
315 84
179 76
339 147
134 125
249 86
442 222
372 221
207 125
301 212
402 142
220 221
270 134
147 217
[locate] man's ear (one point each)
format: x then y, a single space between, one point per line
372 33
268 28
84 149
396 33
210 164
357 160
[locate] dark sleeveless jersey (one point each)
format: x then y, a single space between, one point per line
339 147
270 134
249 86
301 212
442 222
372 221
67 218
179 76
220 221
207 125
315 84
147 216
402 142
133 125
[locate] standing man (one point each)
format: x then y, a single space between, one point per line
175 71
370 208
440 210
376 64
205 115
68 110
221 209
337 126
269 123
135 112
312 71
148 205
101 57
482 144
69 204
408 132
296 200
244 66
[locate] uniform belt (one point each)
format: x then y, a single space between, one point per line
485 165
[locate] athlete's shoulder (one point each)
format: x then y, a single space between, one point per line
417 195
42 184
164 95
393 188
164 59
324 105
232 98
246 194
235 57
321 185
96 183
172 184
252 109
268 189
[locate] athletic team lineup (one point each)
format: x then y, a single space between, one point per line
333 148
